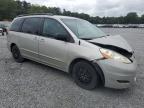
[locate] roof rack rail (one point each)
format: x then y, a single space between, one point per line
50 14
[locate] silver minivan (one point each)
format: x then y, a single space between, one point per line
75 46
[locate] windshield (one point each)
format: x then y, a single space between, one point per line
83 29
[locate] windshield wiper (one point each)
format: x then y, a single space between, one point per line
86 38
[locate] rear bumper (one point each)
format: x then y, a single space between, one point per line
118 75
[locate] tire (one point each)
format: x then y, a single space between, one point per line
2 33
85 75
16 54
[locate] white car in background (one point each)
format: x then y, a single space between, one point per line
1 31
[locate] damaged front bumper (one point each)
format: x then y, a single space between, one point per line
117 74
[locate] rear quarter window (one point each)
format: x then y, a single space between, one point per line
16 24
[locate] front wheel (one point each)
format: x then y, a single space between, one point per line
85 75
16 54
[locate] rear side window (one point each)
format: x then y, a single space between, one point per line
16 25
32 25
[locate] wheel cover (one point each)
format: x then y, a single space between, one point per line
15 53
84 76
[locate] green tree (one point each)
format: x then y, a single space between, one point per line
11 8
25 7
54 10
7 9
19 7
142 19
131 18
35 9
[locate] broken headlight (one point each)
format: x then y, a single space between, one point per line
109 54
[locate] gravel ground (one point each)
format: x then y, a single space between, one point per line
32 85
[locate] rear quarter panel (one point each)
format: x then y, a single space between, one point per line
12 37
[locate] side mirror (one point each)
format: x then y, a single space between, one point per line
62 37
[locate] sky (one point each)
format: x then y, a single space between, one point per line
96 7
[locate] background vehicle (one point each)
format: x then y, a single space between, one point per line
76 46
3 29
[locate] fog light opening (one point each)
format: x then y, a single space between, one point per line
123 81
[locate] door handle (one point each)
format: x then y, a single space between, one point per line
35 38
42 40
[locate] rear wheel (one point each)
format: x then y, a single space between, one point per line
16 54
2 33
85 75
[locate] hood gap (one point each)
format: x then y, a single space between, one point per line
116 49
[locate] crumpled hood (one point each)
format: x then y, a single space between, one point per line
117 41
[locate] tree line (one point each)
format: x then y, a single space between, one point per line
9 9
